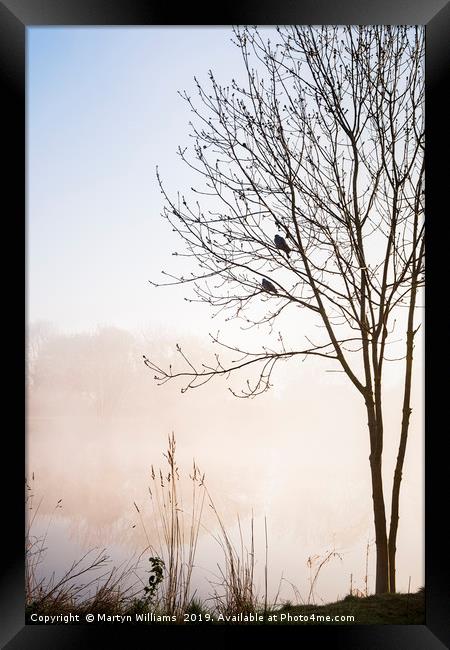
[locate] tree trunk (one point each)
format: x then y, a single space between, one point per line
396 498
406 413
379 511
382 571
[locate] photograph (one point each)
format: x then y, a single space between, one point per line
225 274
229 359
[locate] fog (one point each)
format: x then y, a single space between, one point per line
298 455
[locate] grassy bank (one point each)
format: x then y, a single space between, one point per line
389 609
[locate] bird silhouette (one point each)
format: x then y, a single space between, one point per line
268 286
281 244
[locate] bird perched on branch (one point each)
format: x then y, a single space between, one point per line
268 286
281 244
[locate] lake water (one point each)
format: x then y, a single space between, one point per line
312 504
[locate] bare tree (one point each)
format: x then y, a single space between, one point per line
322 145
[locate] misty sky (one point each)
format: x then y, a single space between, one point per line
102 113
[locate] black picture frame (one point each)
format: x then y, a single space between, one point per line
15 17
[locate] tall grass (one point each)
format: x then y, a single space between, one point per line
177 531
235 591
315 564
89 584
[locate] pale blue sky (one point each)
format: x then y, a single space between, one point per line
102 112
